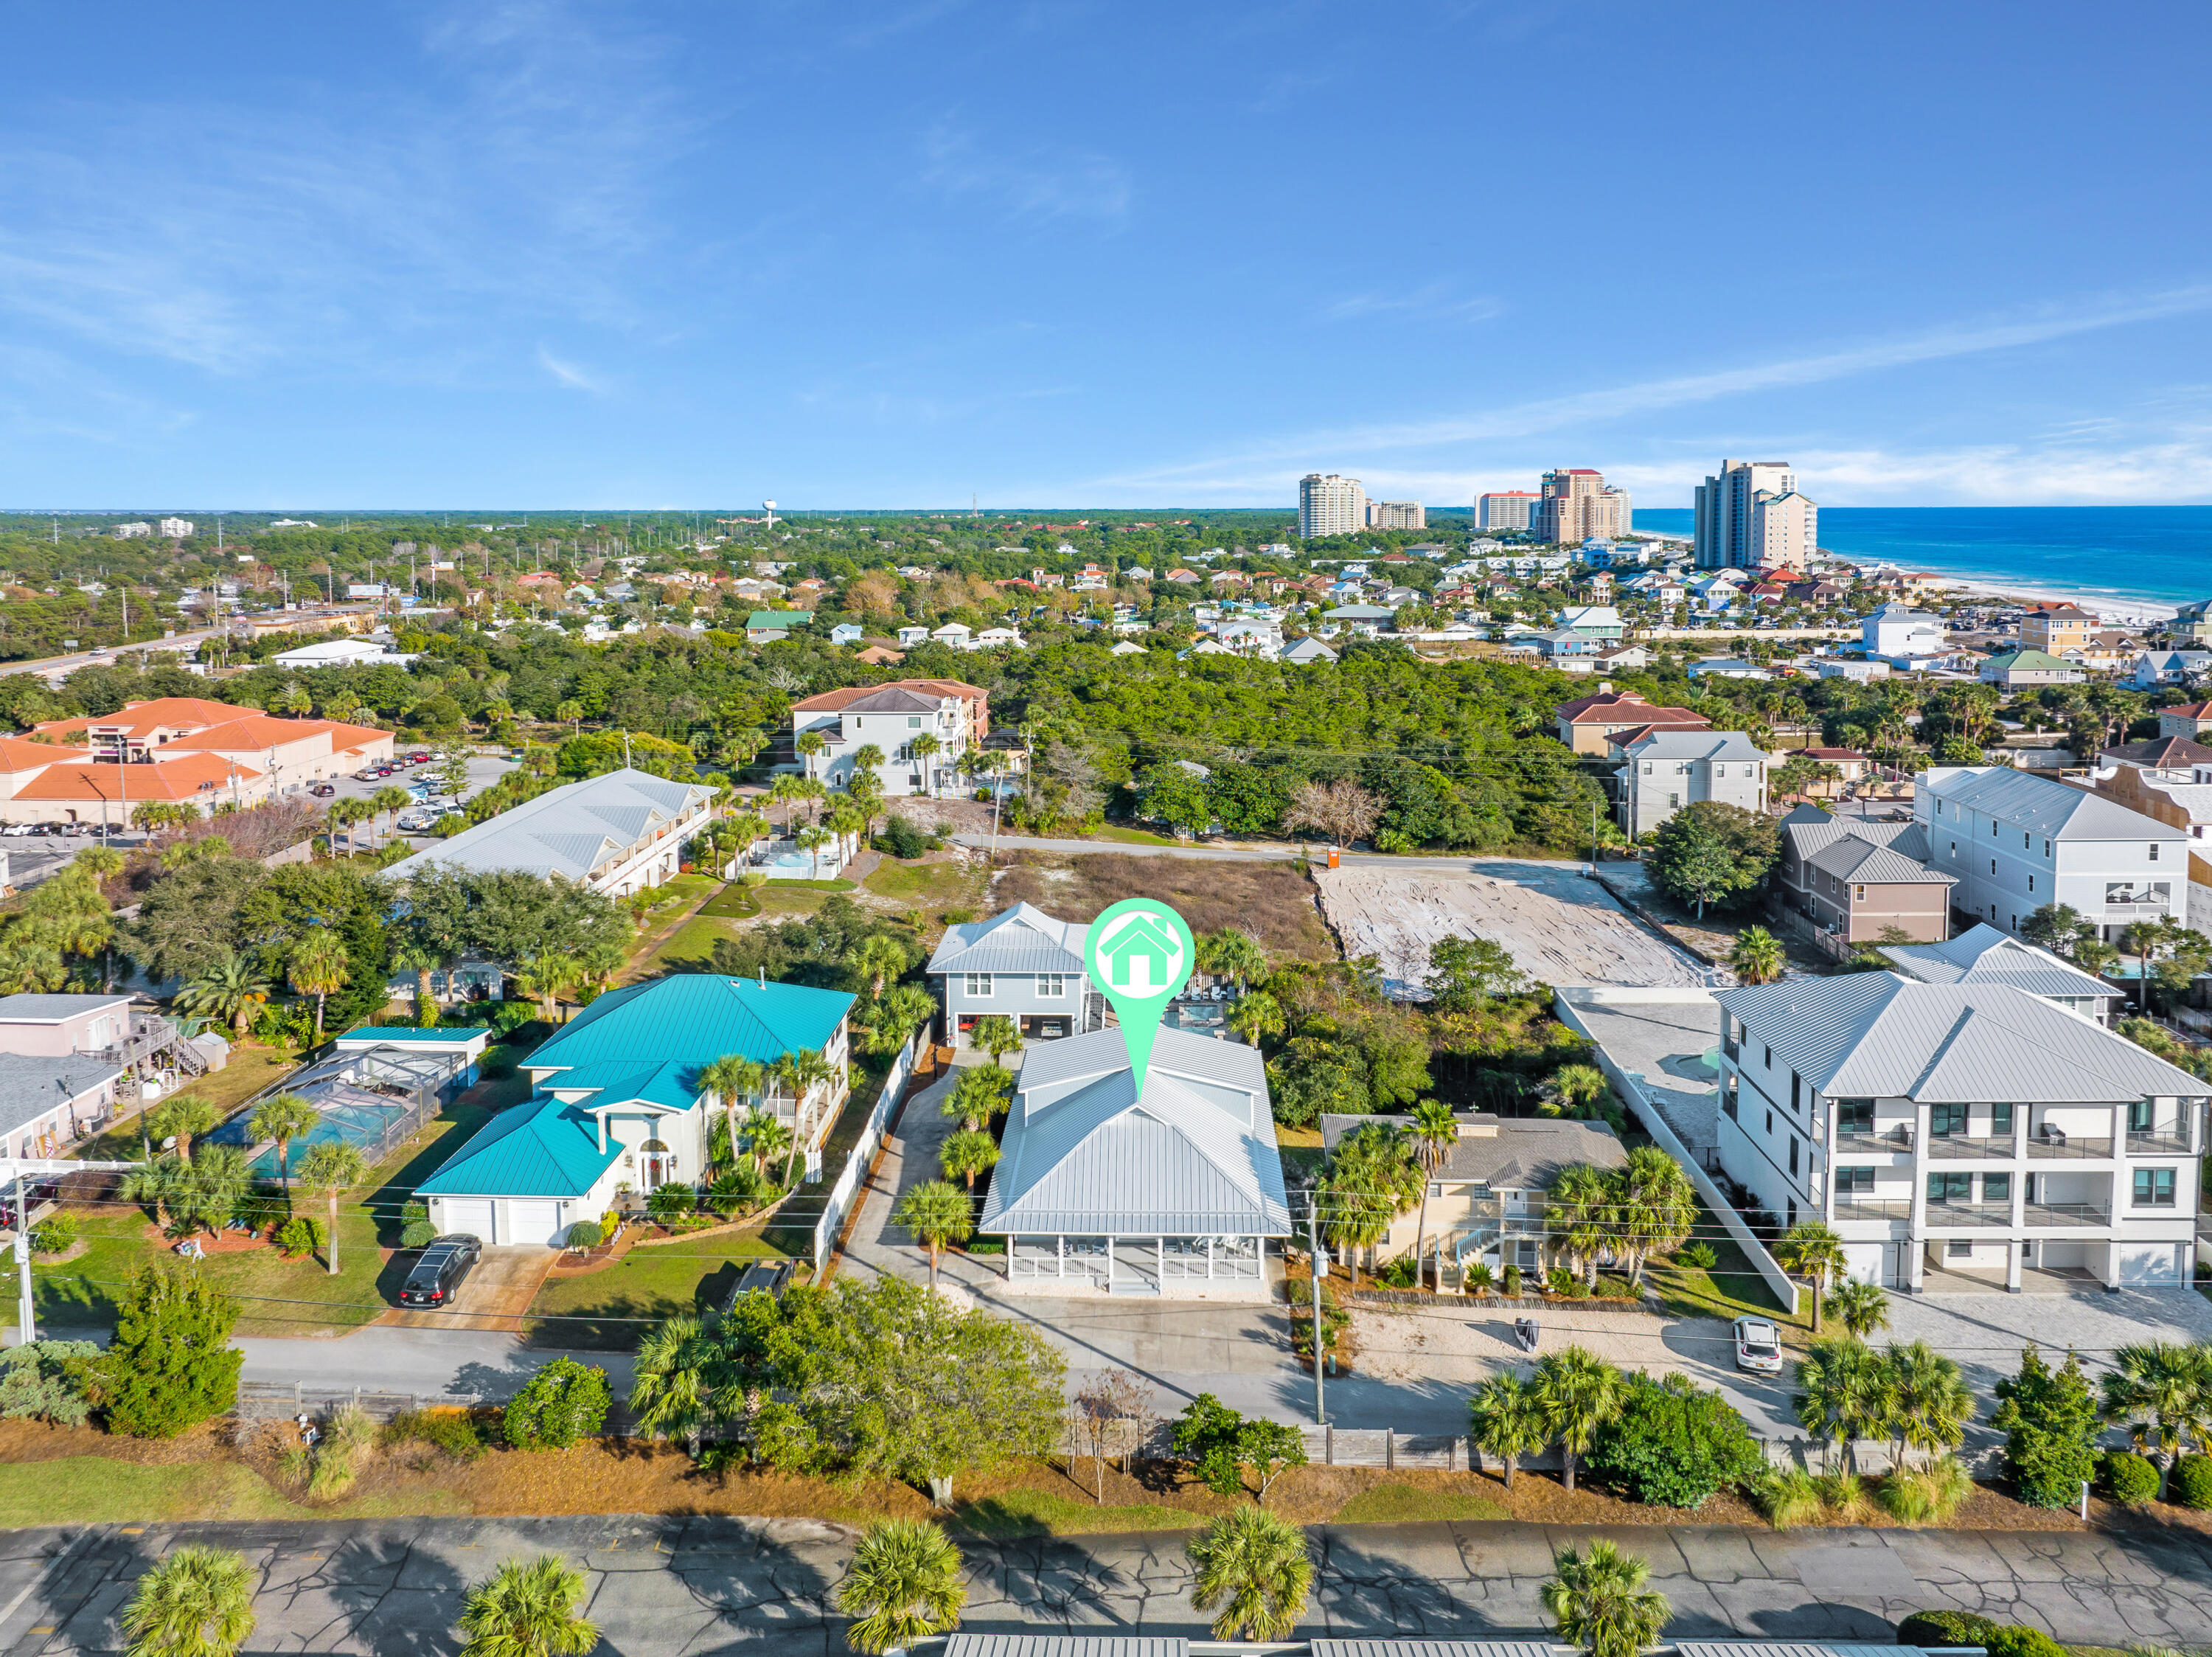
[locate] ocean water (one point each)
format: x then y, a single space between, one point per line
2149 554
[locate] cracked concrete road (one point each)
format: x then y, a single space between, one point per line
665 1586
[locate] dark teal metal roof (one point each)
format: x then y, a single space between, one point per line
692 1018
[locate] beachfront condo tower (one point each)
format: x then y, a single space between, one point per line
1575 506
1507 508
1330 506
1751 515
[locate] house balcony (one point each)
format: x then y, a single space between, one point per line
1945 1215
1878 1209
148 1035
2048 1141
2068 1214
1888 1142
2160 1142
1940 1145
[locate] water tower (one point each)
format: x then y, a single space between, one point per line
769 506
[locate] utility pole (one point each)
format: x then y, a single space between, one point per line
1313 1266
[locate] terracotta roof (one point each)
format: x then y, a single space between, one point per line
2190 711
18 755
267 731
831 702
188 776
189 713
1622 706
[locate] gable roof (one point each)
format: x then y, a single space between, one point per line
17 754
694 1019
1183 1161
2041 806
1866 862
29 1008
1982 954
1022 939
569 831
935 690
546 1148
1876 1034
1695 744
2029 660
31 1086
2159 753
1516 1153
1624 708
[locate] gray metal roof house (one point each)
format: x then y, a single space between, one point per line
618 833
1174 1193
1021 963
1982 954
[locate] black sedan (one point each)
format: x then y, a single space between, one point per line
437 1276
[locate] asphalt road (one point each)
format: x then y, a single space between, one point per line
663 1585
1263 853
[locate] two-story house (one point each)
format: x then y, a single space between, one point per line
1961 1128
618 833
59 1065
618 1109
1853 880
889 718
2056 628
2016 841
1022 964
1669 769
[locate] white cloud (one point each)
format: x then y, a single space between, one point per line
567 373
1038 185
1434 302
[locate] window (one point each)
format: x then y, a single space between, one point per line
2153 1188
1859 893
1793 1156
2046 849
1770 1058
2153 851
1769 1121
2023 842
1944 1120
1857 1179
2001 1116
2031 883
1855 1115
1673 801
1958 1248
979 984
1051 985
2139 1116
1950 1187
1996 1188
1795 1089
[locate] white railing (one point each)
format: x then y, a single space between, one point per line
841 1194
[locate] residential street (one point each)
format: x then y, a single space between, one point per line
1248 854
661 1587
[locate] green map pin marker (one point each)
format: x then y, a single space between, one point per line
1140 953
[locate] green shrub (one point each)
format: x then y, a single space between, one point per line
956 916
2052 1423
1512 1281
2190 1483
335 1463
2131 1479
671 1202
1560 1281
171 1365
586 1233
457 1432
563 1403
1844 1494
1701 1256
1477 1279
902 838
45 1381
1929 1495
497 1064
1399 1273
417 1233
1945 1628
1615 1289
300 1235
57 1235
1672 1444
2019 1642
1788 1496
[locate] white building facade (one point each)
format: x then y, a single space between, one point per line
1973 1130
891 718
1750 513
1669 769
2015 842
1330 505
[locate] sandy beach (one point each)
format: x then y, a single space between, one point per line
2112 612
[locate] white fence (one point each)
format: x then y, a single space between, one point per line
842 1195
1628 1084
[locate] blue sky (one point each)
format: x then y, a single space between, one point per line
1112 254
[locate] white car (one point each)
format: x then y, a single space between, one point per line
1758 1346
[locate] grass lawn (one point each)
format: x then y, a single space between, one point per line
251 1069
694 941
922 883
734 903
651 1284
1129 837
1407 1504
796 896
1729 1289
96 1491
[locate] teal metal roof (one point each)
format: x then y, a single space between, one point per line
692 1018
408 1032
543 1149
619 1081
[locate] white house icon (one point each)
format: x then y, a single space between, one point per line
1141 957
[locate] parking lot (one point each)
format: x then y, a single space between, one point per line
484 770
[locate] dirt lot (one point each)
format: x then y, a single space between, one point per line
1272 901
1561 928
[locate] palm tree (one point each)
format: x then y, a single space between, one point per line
2161 1391
2145 939
809 746
1508 1422
421 957
672 1390
729 1078
1580 1214
1576 1091
767 1137
810 840
997 1035
571 714
1843 1393
186 1116
319 966
344 814
904 1586
1372 1179
846 821
282 1117
1657 1209
1860 1306
925 747
1231 953
784 791
1598 1601
1256 1013
1433 1132
390 801
802 1072
1578 1392
879 958
230 989
1254 1567
1814 1253
1930 1402
528 1609
964 1155
331 1167
198 1602
937 1213
1757 957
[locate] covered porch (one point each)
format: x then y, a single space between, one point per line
1121 1265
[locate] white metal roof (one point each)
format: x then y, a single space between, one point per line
2044 807
569 831
1878 1035
1982 954
1696 745
1017 940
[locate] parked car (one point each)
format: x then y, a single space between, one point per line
416 822
438 1275
322 790
1758 1346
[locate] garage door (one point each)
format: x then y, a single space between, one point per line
470 1215
532 1222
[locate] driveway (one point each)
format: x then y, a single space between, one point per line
685 1585
495 1295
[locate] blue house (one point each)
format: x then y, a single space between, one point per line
616 1106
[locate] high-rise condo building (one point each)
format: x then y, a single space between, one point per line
1330 506
1751 515
1505 509
1576 505
1396 514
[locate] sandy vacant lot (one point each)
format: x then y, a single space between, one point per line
1561 928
